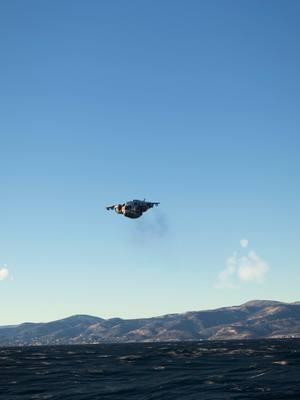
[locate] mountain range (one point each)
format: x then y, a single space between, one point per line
252 320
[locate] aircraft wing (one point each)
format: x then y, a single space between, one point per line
154 204
110 207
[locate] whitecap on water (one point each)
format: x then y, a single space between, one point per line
280 362
159 368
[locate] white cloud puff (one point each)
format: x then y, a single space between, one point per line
250 268
3 273
244 243
225 277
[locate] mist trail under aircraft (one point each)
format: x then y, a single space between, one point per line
156 226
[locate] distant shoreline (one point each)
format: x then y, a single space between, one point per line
254 320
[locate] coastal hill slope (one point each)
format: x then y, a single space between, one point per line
252 320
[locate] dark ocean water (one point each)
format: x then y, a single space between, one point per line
264 369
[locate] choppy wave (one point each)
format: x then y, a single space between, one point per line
266 369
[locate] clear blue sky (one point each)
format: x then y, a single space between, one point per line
191 103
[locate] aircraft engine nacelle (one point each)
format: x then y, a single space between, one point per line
118 209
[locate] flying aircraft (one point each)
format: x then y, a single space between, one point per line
132 209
